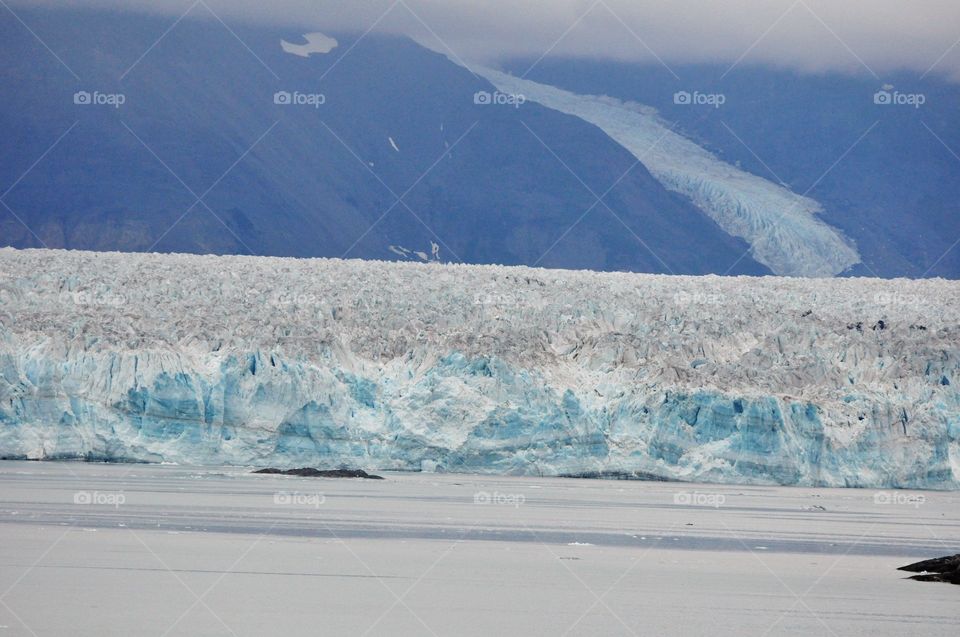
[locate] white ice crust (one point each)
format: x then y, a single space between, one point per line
246 360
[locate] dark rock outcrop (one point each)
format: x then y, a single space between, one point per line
940 569
310 472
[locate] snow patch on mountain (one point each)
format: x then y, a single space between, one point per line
315 43
289 362
781 226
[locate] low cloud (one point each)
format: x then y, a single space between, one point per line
858 36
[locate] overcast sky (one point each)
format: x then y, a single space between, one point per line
868 36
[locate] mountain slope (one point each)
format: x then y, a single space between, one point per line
485 183
781 226
886 175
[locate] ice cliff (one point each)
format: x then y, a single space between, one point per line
267 361
781 226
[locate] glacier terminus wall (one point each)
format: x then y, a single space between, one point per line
285 362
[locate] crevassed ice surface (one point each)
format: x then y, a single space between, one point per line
270 361
781 226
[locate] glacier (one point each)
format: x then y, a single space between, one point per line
782 227
510 370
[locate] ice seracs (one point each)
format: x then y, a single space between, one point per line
289 362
